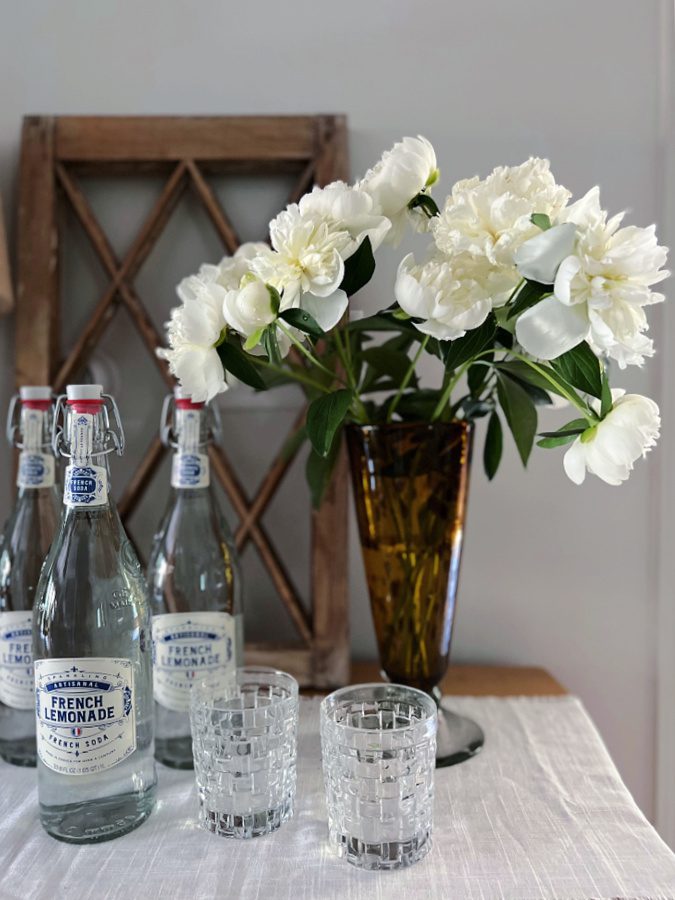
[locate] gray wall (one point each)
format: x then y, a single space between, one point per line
554 575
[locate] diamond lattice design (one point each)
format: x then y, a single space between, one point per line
56 154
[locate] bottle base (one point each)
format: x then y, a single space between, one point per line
97 820
174 752
19 752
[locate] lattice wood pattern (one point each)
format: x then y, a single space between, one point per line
56 153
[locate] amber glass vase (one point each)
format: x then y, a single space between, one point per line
410 487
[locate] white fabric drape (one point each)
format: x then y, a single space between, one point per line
540 813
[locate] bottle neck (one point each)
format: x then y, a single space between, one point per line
36 470
87 475
190 468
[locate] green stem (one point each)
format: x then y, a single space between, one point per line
450 386
345 358
305 352
407 377
291 373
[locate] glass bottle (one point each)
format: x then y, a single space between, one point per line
92 645
25 541
194 581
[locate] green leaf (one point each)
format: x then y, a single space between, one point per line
253 339
270 344
318 471
529 295
581 368
476 377
359 269
564 435
541 220
492 450
553 384
605 396
416 405
384 361
324 417
237 362
383 322
520 413
275 299
426 203
540 396
458 352
302 320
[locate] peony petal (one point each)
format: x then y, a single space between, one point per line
551 328
412 297
574 462
567 269
538 259
326 310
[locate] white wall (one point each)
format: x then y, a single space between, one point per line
554 575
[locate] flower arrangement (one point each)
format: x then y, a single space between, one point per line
523 297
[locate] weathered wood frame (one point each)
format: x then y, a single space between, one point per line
55 152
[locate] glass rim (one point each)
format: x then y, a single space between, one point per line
211 684
425 700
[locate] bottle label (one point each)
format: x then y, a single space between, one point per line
36 470
17 687
187 646
190 470
85 486
85 713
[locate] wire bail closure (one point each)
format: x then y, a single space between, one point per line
167 424
13 426
114 436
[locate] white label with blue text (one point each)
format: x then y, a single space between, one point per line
85 713
16 661
186 646
85 486
36 470
190 470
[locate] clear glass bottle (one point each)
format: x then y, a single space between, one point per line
194 581
25 541
92 645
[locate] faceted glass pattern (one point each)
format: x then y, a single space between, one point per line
244 741
378 744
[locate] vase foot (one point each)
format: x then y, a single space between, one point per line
458 737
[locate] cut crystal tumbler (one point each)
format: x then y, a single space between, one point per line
378 744
244 741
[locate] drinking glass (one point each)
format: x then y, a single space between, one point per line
244 739
378 744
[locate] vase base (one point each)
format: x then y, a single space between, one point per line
458 737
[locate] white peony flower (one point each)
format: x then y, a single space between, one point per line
348 209
611 448
228 273
193 332
306 264
401 174
305 255
600 290
447 295
250 307
491 218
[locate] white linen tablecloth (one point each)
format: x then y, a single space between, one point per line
541 812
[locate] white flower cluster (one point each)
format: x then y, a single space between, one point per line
303 267
600 274
476 235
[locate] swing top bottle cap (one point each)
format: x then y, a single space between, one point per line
35 392
86 392
184 400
